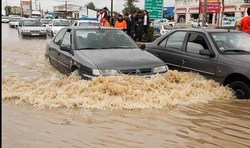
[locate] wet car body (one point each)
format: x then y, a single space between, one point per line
5 19
31 27
13 22
102 57
207 52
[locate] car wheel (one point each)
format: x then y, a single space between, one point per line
241 89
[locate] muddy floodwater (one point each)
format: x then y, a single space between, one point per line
43 108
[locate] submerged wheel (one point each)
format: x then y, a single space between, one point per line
241 89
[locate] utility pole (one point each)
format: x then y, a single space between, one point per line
204 17
39 7
30 8
66 8
222 13
111 15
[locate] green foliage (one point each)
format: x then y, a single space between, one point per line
130 7
91 6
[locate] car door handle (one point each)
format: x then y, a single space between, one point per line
184 61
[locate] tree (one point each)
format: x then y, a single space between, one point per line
130 6
91 6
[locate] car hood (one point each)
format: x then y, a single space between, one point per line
56 28
33 28
122 58
242 60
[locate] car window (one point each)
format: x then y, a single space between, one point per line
196 42
175 40
102 38
59 36
66 39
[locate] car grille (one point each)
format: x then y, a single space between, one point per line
34 31
136 71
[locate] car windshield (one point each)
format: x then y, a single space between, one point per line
61 23
45 21
89 23
232 42
167 27
32 23
14 19
102 39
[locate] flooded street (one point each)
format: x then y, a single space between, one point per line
43 108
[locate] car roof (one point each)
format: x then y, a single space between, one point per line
91 27
86 21
208 30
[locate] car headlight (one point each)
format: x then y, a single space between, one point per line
160 69
104 72
25 31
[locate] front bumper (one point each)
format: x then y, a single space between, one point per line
33 33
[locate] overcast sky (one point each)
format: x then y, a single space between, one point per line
48 4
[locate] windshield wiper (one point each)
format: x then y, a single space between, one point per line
86 48
236 50
122 47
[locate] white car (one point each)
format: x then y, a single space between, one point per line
14 22
196 24
45 22
55 25
5 19
163 22
31 27
85 23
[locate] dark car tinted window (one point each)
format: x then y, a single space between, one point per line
175 40
59 36
31 23
196 42
103 38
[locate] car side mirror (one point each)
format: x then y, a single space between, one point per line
142 46
65 48
206 52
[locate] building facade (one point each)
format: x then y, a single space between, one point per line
186 10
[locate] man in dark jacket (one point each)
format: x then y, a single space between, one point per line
139 30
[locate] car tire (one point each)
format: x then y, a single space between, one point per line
241 89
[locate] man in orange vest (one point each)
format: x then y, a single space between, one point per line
120 23
245 23
105 23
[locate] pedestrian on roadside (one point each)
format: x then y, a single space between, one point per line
121 23
128 21
139 30
145 22
245 23
105 22
133 24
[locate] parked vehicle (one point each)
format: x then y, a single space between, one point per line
196 24
220 54
45 22
85 23
31 27
55 25
5 19
13 22
93 51
163 22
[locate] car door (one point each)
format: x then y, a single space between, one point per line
193 60
54 47
170 49
64 57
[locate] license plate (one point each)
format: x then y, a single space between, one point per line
34 33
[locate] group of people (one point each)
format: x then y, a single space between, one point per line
135 24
